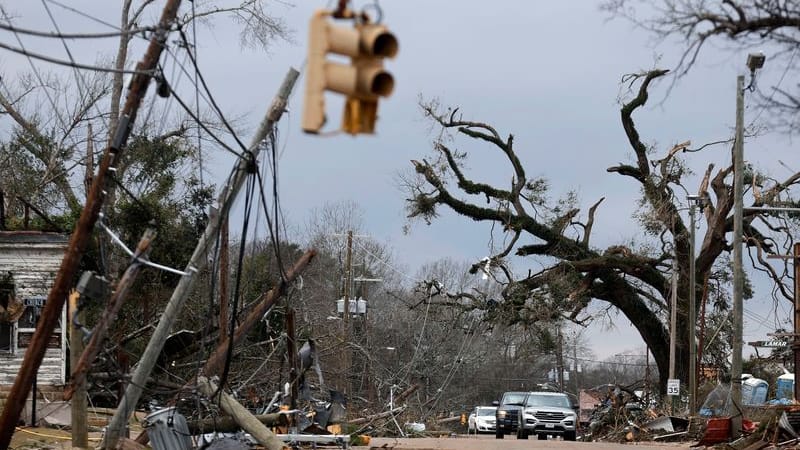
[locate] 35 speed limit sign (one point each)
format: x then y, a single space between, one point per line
673 387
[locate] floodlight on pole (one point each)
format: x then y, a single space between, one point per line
755 61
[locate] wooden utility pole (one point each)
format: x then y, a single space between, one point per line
78 405
291 352
560 358
216 360
109 315
796 340
83 229
575 371
88 175
647 374
196 263
223 281
348 275
692 310
673 316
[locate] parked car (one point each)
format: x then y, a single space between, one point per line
547 414
507 415
482 419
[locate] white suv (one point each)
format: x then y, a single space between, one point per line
547 413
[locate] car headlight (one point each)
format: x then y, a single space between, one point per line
501 413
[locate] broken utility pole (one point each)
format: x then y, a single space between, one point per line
241 415
241 171
80 236
216 361
100 330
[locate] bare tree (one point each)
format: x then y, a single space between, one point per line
634 281
736 25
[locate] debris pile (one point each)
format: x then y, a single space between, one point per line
622 415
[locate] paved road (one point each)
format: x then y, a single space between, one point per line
488 442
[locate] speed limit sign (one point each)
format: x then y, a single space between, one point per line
673 387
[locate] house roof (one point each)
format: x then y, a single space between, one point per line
32 237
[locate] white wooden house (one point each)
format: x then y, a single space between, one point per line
29 261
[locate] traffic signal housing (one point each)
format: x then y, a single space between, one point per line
362 81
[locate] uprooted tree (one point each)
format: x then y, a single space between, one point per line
634 280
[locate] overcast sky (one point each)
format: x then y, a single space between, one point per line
548 72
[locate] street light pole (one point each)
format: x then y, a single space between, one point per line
673 318
692 310
754 62
738 281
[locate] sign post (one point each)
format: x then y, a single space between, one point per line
673 386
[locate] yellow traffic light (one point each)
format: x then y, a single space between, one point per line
362 81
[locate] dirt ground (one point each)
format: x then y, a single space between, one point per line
46 438
463 442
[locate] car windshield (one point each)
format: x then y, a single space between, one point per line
486 412
514 398
547 400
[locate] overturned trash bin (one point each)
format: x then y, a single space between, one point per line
168 430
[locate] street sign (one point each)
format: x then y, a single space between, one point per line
775 343
37 302
673 387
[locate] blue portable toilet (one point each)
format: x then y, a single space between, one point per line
785 387
754 391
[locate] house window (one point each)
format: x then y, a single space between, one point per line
26 326
29 318
6 341
9 312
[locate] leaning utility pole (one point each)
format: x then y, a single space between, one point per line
198 260
80 237
95 344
